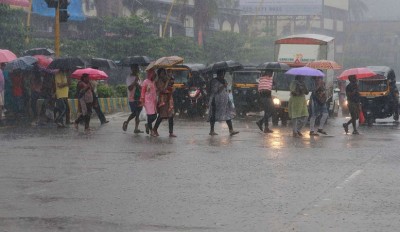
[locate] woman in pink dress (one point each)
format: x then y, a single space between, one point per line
148 99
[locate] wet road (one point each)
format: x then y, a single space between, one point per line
63 180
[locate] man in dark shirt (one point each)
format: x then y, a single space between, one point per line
353 99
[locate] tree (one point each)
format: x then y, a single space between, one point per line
12 28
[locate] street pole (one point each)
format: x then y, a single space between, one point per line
167 19
57 31
28 24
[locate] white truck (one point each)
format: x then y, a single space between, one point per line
297 51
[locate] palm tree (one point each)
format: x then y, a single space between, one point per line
357 9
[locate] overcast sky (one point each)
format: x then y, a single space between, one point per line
383 9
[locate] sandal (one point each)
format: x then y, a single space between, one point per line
125 126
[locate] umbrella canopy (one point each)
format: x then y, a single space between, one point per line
358 72
23 3
305 71
39 51
21 63
324 64
94 74
102 63
6 56
229 65
43 61
139 60
168 61
274 66
67 63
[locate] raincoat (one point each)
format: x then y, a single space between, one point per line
149 96
220 106
297 100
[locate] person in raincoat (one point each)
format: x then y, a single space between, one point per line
165 107
85 98
220 106
297 104
148 99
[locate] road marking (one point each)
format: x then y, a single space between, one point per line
349 179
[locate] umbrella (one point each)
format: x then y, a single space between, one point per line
324 64
102 63
139 60
39 51
229 65
94 74
43 61
23 3
275 66
22 63
358 72
305 71
67 63
168 61
6 56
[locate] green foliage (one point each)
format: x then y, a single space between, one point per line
104 90
120 90
224 46
12 32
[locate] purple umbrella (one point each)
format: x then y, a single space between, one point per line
305 71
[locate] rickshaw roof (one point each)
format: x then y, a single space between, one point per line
178 67
196 67
385 71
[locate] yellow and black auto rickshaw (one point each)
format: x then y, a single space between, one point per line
379 95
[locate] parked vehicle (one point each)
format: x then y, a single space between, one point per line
297 51
379 95
181 74
196 98
244 90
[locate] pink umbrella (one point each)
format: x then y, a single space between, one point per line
23 3
94 74
358 72
6 56
43 61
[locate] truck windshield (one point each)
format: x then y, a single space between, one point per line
372 85
246 77
282 81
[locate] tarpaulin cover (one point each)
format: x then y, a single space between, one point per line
74 9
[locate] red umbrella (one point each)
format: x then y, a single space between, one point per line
6 56
23 3
358 72
94 74
43 61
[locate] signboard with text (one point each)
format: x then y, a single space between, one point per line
281 7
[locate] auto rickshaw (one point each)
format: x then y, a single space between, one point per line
379 95
245 90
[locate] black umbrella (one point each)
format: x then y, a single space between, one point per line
102 63
229 66
274 66
67 63
139 60
39 51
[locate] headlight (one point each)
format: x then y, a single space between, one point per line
276 101
308 101
345 103
254 91
192 93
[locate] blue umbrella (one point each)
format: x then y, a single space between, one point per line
305 71
22 63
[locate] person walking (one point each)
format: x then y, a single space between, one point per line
353 99
148 99
85 99
264 90
220 106
165 109
318 107
2 84
297 104
96 104
134 89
